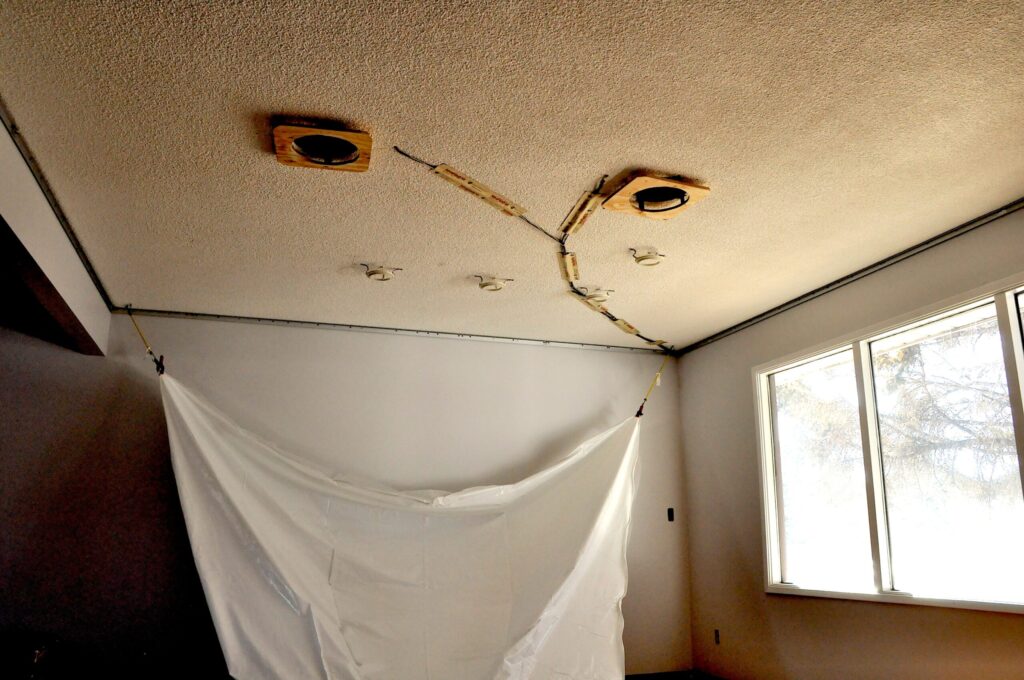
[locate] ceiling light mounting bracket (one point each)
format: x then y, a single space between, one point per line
492 284
647 257
378 272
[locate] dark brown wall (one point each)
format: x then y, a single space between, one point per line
32 304
95 564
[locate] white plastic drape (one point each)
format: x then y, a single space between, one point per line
313 577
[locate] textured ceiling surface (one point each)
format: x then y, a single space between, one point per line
832 135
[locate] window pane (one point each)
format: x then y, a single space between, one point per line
823 505
1020 308
952 481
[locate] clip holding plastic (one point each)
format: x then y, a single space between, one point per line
158 362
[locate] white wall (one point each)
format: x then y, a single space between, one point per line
797 637
420 412
25 209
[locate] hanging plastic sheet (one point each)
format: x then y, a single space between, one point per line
313 577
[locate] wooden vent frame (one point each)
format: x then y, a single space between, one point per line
619 201
286 133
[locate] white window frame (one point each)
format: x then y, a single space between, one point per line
1003 293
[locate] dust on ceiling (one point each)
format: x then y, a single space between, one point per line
832 136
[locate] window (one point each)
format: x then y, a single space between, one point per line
952 482
891 465
820 467
1020 308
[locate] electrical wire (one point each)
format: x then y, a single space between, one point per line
414 158
541 229
524 218
562 243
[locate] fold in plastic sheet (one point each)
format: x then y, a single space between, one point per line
313 577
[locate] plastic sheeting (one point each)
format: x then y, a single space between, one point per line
313 577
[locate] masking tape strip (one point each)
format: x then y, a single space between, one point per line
621 323
570 267
627 327
581 212
592 304
467 183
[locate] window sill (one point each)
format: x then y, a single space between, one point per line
895 598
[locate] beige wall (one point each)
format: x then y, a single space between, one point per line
93 551
418 412
95 564
779 636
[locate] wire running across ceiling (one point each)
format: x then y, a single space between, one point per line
570 271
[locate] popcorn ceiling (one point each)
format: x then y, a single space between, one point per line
831 135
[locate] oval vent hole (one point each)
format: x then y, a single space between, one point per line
326 150
659 199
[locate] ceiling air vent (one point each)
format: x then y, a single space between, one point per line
322 145
655 197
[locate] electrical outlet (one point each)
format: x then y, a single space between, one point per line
671 514
718 637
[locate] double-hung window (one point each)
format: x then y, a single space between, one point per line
892 463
